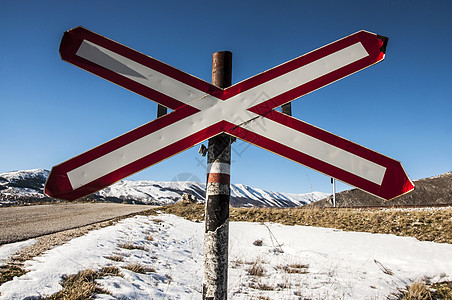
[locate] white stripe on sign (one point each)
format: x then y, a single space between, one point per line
307 73
318 149
138 73
218 167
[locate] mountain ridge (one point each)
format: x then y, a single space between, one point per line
26 186
435 190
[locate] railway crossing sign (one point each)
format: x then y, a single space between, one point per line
245 110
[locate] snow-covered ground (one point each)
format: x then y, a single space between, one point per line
314 263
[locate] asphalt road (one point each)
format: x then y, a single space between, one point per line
19 223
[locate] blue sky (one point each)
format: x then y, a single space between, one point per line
401 107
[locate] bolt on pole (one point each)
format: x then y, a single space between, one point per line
216 236
161 110
287 109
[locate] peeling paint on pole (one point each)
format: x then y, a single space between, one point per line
215 282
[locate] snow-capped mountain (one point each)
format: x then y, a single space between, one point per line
27 186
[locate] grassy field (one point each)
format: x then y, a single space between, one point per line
426 224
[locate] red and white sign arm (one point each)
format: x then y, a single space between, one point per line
143 146
131 69
312 71
327 153
126 155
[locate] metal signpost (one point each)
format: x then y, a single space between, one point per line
203 111
218 190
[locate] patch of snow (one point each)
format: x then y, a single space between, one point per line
8 250
331 264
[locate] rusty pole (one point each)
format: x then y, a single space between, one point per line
216 236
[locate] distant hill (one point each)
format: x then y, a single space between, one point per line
26 186
428 191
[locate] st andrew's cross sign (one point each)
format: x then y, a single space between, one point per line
244 110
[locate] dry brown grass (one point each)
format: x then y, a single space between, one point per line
442 290
9 271
130 246
83 284
425 225
261 286
256 268
428 291
117 258
295 268
138 268
417 291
